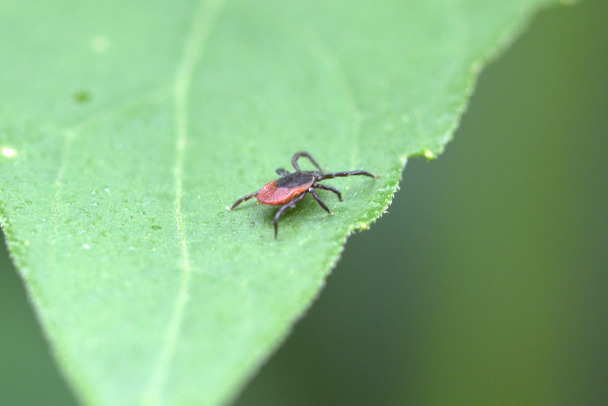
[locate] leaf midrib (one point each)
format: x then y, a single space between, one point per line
196 42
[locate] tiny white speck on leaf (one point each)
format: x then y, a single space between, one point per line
9 152
107 190
86 246
363 226
429 154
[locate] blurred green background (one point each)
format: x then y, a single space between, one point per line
486 284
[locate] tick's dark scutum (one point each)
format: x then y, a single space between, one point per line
295 179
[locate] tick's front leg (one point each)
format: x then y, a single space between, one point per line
242 199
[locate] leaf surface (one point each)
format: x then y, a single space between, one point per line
126 128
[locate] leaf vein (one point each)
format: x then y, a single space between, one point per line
70 134
194 47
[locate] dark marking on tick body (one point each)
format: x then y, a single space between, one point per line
290 188
295 179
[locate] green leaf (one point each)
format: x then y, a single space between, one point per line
127 128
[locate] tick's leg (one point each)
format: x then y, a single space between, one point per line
242 199
297 155
318 199
284 207
331 189
347 173
282 172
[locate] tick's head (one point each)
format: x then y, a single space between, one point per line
282 172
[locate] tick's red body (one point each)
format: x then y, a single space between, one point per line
286 188
290 188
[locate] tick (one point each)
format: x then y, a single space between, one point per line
290 188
